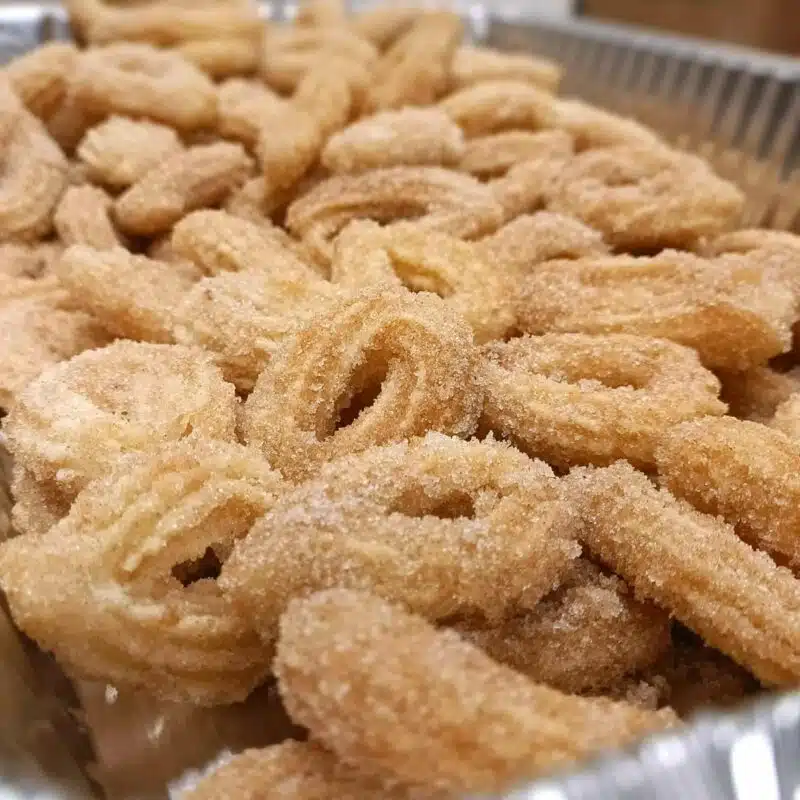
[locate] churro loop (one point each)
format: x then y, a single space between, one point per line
473 726
33 177
289 142
242 317
742 471
361 258
243 107
286 137
130 596
401 521
218 242
374 369
289 54
138 80
695 566
41 78
119 151
494 155
408 137
258 201
71 120
336 40
197 177
645 197
587 636
530 239
524 188
593 127
500 105
78 417
475 64
328 97
736 316
163 24
133 297
415 71
82 217
436 199
573 398
39 334
427 262
778 251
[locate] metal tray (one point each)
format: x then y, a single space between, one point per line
738 108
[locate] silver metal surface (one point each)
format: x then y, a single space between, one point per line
734 96
753 755
704 95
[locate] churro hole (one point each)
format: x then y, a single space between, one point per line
416 278
454 505
362 395
638 252
620 181
207 567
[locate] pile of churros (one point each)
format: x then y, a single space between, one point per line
350 355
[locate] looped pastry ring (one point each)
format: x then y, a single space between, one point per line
436 199
694 566
241 317
197 177
573 398
163 24
462 274
645 197
290 53
120 151
409 137
587 636
475 64
78 417
742 471
736 315
33 177
500 105
443 526
408 351
138 80
124 584
385 689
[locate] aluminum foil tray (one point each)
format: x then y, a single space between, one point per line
738 108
